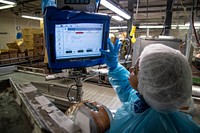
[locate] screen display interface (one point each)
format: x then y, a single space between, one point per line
78 40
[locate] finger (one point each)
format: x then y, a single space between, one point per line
117 45
117 41
110 45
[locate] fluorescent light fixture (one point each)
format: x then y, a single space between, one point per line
7 2
195 24
151 27
180 27
118 18
118 27
144 36
110 5
114 31
6 6
166 37
31 17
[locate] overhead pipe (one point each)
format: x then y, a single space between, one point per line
168 19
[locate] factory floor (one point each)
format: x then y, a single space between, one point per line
102 94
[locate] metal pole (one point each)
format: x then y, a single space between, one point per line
189 47
168 20
147 31
79 89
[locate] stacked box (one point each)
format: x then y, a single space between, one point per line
31 31
28 35
3 51
38 50
30 54
38 35
13 53
29 44
4 56
38 41
21 57
18 44
38 46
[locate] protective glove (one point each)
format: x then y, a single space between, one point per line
111 55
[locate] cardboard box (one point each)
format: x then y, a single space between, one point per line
29 31
39 53
37 35
3 51
13 57
29 44
21 57
13 51
30 53
28 37
38 41
39 56
3 58
38 49
18 44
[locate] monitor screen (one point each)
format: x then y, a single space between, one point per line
78 40
73 38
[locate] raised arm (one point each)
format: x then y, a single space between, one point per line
118 75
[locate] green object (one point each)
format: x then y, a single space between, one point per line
196 80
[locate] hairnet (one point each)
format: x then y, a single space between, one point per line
165 78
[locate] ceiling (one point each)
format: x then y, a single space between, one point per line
148 11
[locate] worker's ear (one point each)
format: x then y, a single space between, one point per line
184 108
189 108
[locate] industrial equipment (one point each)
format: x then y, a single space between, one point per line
73 39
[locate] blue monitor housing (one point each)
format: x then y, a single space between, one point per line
73 38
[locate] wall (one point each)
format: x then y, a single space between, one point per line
8 24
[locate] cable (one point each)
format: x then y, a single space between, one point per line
136 10
98 6
195 33
89 78
184 9
68 92
147 17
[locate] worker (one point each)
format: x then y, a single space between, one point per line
153 92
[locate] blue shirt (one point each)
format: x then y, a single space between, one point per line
135 116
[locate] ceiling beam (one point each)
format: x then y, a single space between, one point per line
164 5
24 1
131 5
